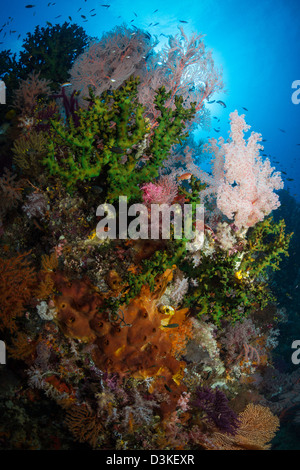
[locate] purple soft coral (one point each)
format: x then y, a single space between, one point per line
215 405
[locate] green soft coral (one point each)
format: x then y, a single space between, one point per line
230 286
267 243
108 139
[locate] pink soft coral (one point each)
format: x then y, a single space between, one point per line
162 192
244 184
25 97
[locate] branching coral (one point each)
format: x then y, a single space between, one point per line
36 205
10 192
45 285
29 151
108 133
23 347
267 243
237 336
230 285
29 91
17 281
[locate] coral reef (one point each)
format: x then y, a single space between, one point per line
134 343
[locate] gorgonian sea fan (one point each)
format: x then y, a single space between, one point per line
214 404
